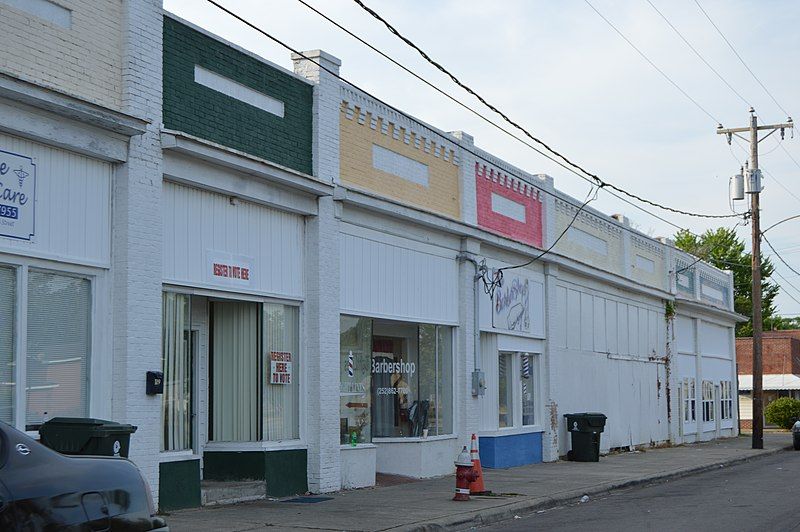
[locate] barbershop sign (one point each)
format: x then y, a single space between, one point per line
511 307
17 195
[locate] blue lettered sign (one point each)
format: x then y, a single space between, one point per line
17 195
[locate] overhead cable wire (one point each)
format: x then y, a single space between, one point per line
597 179
778 255
703 59
481 116
580 208
730 45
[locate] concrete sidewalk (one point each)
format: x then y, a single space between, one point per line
427 505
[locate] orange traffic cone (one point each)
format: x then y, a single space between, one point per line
476 487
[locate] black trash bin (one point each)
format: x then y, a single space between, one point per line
87 436
585 429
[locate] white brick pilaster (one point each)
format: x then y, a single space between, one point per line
136 244
466 175
322 348
325 144
552 417
470 407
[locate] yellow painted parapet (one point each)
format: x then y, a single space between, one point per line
398 159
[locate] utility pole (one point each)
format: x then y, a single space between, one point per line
753 188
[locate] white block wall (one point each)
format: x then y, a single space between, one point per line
136 245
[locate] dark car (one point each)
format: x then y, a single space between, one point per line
41 489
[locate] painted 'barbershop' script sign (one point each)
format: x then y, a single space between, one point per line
511 305
17 195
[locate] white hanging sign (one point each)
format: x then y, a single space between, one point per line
17 195
280 367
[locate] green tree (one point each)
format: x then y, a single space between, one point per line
783 412
724 249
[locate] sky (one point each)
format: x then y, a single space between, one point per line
560 70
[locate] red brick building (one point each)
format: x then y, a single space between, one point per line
781 362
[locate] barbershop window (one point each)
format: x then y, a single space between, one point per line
726 399
178 366
57 336
396 379
516 389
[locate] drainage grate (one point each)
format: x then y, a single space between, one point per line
308 500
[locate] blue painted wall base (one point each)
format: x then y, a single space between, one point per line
499 452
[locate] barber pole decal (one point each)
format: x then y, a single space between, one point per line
350 369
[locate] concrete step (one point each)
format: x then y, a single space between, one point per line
214 492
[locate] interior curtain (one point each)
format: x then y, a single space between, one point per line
281 401
235 372
177 367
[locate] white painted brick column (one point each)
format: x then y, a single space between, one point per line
136 240
327 99
466 176
322 280
322 348
552 417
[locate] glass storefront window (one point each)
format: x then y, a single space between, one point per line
526 375
397 379
59 338
8 304
505 389
177 365
355 380
282 370
255 371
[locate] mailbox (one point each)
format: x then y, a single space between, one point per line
155 383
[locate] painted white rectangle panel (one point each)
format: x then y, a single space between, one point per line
198 222
714 339
236 90
684 334
72 218
399 165
587 323
687 366
507 207
600 344
399 279
561 328
713 293
588 240
715 369
574 317
611 326
623 334
645 264
49 11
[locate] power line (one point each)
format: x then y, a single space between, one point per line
703 59
580 208
454 79
652 64
779 255
785 112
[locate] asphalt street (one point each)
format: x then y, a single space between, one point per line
763 494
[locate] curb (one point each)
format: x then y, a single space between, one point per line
487 516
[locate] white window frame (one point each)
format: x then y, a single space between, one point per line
516 392
707 401
99 371
726 400
689 401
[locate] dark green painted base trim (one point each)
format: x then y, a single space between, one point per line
178 485
285 472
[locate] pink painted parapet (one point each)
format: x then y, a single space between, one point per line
515 211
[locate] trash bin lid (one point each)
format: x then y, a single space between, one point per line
88 423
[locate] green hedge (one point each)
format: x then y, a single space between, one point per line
783 412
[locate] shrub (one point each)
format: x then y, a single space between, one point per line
783 412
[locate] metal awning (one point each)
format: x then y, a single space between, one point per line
784 381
